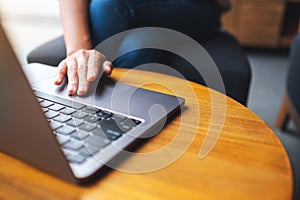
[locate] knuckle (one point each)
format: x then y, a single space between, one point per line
81 52
98 54
70 61
93 51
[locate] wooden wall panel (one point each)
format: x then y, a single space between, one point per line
257 23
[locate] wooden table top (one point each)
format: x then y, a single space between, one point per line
247 162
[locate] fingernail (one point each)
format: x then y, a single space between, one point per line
56 81
71 90
108 66
82 90
92 75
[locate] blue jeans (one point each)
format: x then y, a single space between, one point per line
199 19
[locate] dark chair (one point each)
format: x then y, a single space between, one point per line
222 47
290 108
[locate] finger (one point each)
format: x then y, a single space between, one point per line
83 83
94 62
61 72
107 67
72 75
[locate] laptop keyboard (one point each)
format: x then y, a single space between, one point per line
81 130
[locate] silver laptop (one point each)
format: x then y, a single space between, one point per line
73 138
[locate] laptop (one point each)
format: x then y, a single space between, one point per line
73 138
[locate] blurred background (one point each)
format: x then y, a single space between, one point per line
29 23
265 28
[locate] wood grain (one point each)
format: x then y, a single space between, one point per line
257 23
248 161
260 22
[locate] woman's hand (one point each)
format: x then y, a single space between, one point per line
82 67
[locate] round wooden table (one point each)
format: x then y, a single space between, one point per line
247 162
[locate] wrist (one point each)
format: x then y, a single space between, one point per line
74 50
82 45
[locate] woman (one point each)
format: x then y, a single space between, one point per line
87 23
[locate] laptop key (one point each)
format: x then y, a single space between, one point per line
76 159
91 110
104 114
125 128
118 118
74 122
55 125
91 119
67 152
97 142
99 132
51 114
87 151
80 135
40 100
67 111
112 135
65 130
46 103
129 122
62 139
107 134
79 115
73 145
62 118
87 127
56 107
111 125
137 122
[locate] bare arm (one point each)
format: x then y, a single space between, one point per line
74 16
82 64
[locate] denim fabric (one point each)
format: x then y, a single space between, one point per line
197 18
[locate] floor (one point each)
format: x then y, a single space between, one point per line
29 26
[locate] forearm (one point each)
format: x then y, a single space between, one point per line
74 16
